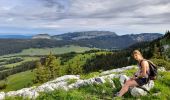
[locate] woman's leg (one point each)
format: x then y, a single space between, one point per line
125 88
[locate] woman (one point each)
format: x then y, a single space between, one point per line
140 78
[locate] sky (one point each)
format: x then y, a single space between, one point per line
62 16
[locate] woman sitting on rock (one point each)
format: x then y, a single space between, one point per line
140 78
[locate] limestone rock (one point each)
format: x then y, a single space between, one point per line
123 79
99 80
141 92
117 70
137 92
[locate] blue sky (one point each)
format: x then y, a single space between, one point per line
61 16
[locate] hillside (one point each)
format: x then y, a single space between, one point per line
94 39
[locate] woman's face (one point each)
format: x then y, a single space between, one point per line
136 56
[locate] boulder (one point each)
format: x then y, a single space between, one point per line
123 79
99 80
137 91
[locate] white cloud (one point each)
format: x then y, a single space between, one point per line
154 9
118 15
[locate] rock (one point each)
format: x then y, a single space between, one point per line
39 89
64 78
77 84
30 94
2 95
141 92
90 81
48 88
149 85
123 79
117 70
137 92
99 80
11 93
111 76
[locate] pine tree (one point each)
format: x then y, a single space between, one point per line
40 73
167 34
50 69
52 64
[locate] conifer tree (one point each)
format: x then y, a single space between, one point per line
52 65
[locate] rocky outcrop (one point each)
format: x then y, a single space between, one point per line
117 70
58 83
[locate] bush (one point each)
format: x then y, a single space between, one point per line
161 63
3 84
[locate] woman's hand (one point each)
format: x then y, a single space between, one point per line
132 78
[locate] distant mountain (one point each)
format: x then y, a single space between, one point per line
42 36
84 35
15 37
106 39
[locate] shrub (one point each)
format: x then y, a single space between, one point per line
3 84
161 63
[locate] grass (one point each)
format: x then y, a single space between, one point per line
26 59
46 51
90 75
91 92
70 81
130 72
19 81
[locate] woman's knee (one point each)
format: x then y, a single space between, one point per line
127 83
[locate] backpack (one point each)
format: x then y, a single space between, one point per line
152 70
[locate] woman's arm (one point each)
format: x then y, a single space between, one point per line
144 66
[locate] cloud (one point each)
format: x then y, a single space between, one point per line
71 15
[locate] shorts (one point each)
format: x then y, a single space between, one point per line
141 81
